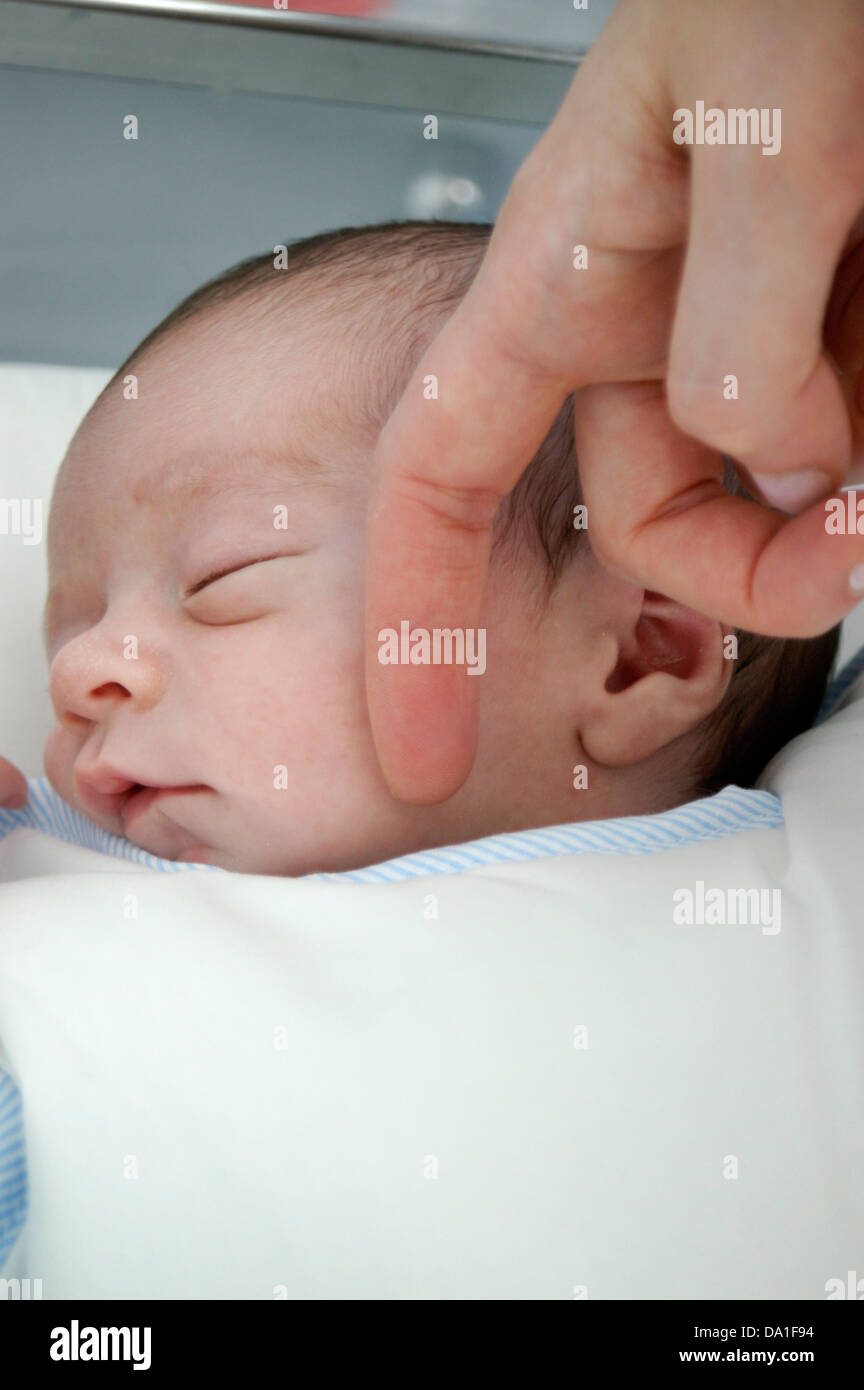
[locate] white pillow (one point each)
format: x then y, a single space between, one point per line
40 409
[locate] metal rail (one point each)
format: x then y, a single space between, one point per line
334 26
231 48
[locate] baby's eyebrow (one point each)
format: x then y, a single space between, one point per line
188 478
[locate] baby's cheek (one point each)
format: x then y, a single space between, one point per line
283 691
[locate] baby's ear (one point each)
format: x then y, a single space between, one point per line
670 672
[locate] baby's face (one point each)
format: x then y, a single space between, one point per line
205 620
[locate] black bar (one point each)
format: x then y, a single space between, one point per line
225 1338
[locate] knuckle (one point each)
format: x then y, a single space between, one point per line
459 509
704 414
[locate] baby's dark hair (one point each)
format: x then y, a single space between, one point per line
398 282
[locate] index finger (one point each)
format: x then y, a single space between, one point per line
465 429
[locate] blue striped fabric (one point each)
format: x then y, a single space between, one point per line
842 682
728 812
48 812
13 1168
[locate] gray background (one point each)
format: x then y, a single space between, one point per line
101 236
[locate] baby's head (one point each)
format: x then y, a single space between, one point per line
205 615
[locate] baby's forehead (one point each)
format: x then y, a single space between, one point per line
186 425
228 402
192 492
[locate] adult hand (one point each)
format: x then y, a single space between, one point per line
13 786
704 263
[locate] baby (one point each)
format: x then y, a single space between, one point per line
204 624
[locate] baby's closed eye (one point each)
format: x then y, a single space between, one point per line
241 592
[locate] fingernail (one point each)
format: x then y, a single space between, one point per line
856 580
792 492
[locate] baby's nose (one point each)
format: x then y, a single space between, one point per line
98 671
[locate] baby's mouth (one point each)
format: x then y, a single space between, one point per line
105 792
141 797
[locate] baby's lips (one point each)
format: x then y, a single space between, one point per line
102 790
104 781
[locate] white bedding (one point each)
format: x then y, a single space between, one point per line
516 1079
244 1087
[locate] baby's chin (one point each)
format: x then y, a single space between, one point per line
264 858
158 833
202 854
235 862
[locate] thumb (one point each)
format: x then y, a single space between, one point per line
747 371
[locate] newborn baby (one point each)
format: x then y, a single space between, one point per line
204 624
